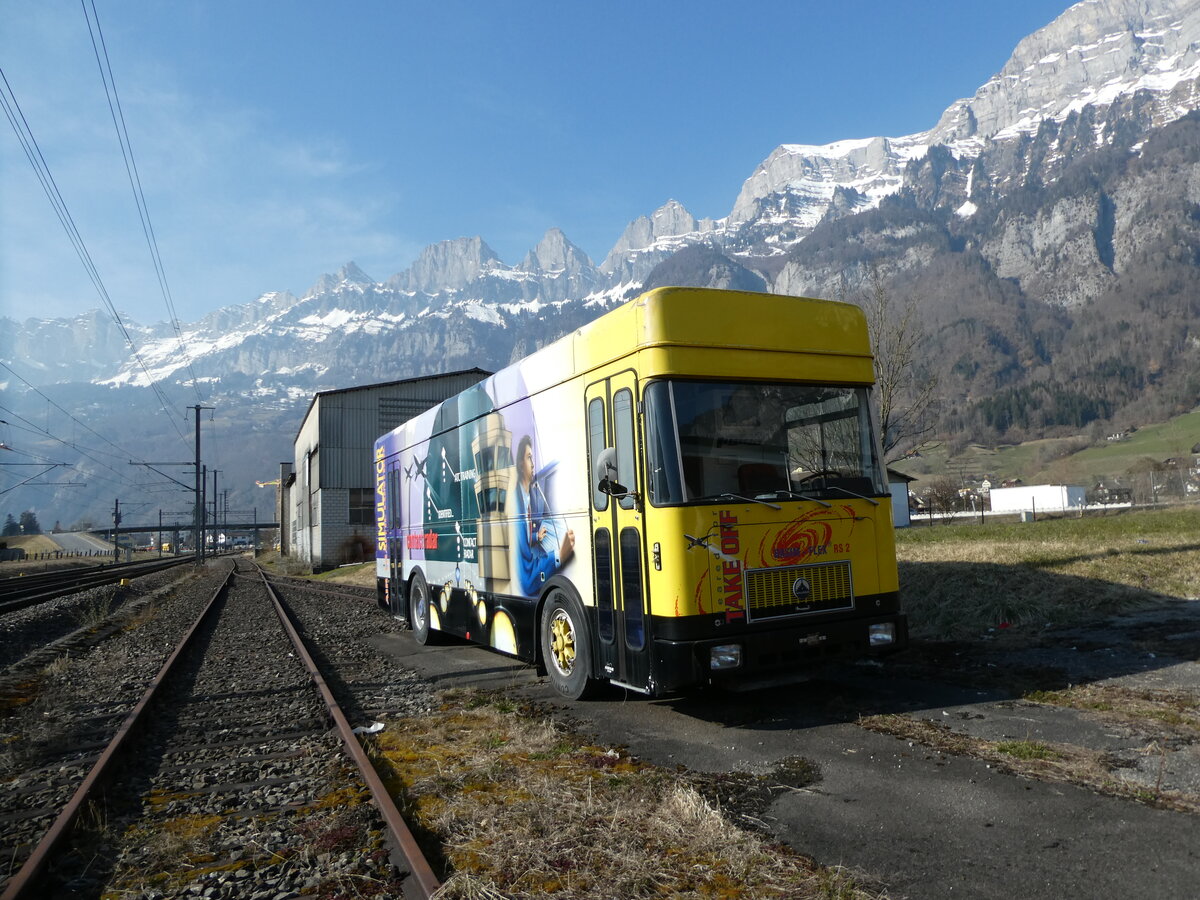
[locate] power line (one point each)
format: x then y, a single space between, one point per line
135 180
121 451
34 429
33 153
122 480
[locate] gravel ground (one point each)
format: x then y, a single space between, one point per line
308 827
32 628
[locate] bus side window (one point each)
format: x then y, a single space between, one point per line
631 588
394 510
595 417
665 481
623 432
604 584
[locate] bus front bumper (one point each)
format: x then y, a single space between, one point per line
782 651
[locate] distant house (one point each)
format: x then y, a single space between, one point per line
898 483
1106 493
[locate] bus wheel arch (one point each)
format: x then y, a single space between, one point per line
565 645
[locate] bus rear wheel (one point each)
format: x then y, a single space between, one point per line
567 647
418 609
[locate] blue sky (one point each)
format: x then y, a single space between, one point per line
276 141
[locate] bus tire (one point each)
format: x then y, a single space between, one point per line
419 601
567 646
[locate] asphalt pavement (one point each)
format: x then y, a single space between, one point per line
80 542
915 821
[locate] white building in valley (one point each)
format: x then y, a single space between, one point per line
1039 498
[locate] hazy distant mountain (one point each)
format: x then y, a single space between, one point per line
1048 228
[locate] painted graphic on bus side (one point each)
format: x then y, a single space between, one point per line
492 491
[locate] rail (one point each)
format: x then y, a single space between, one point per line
19 592
25 880
28 881
426 882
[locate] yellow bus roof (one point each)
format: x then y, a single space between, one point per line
689 324
707 332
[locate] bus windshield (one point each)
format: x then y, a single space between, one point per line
709 441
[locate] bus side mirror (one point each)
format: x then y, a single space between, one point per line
606 473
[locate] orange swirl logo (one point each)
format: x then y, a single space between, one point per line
800 540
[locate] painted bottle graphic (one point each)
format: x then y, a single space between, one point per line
492 449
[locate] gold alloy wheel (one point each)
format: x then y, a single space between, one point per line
562 641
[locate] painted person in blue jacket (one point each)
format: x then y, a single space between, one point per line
544 545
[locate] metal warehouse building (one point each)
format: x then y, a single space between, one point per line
328 491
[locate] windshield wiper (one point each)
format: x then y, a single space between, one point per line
838 487
731 496
799 496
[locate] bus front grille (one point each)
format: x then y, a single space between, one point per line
798 590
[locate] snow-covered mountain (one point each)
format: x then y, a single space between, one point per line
1056 179
1101 59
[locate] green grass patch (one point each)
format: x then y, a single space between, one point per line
1027 750
1173 438
960 580
1075 459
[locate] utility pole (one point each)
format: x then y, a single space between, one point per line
198 508
203 510
216 517
116 534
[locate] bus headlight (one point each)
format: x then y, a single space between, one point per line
881 634
725 656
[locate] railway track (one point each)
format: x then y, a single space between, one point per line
20 592
229 770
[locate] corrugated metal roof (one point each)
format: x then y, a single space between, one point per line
481 373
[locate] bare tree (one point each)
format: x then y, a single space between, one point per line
943 494
905 389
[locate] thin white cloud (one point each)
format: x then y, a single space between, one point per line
237 206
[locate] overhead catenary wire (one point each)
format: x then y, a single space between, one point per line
121 479
33 153
122 453
135 180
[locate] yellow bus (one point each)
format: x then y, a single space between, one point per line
687 490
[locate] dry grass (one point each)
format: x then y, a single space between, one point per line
32 543
98 606
278 564
957 581
362 575
517 807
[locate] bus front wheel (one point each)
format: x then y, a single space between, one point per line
567 647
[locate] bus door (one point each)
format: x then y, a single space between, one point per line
395 543
622 615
